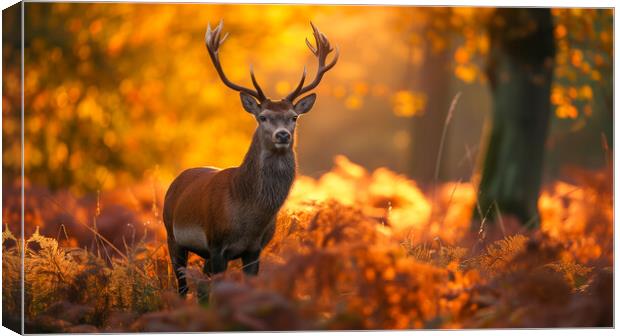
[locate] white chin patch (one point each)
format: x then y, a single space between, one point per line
279 145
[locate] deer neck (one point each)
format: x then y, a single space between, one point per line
265 177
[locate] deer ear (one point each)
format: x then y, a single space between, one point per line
305 104
249 103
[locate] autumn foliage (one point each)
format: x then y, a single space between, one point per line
353 250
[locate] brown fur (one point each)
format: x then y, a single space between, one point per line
234 208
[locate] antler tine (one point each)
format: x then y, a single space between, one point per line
321 51
295 92
310 46
259 91
216 32
333 62
222 40
315 30
213 43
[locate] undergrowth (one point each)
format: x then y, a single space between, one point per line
353 250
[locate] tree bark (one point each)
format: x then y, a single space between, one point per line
520 69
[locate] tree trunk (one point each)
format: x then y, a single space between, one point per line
427 128
519 69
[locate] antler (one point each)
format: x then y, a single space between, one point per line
321 51
214 42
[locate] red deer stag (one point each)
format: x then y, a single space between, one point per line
222 215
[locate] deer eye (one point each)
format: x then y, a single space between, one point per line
294 118
262 118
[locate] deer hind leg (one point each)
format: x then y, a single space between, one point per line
251 260
178 258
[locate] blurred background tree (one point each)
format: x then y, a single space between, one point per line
115 92
529 79
494 50
520 70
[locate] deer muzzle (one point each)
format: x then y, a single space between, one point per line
282 138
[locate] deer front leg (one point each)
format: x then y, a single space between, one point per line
214 264
218 262
251 260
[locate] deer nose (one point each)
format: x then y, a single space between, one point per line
283 137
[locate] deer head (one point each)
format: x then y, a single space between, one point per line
276 118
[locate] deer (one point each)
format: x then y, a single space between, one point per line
226 214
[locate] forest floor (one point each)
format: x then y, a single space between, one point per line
353 250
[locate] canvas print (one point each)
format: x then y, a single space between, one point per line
228 167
